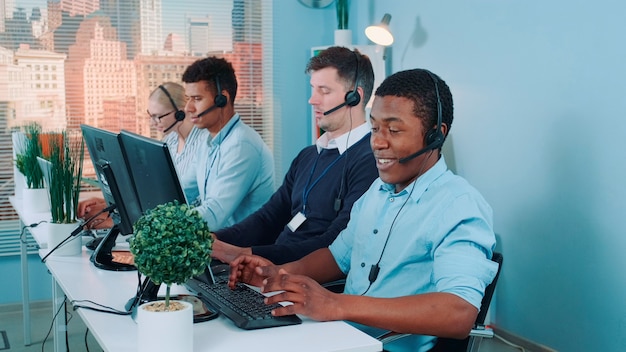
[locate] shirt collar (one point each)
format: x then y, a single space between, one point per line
344 141
421 183
224 132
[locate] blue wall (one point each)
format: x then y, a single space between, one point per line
11 287
540 121
540 108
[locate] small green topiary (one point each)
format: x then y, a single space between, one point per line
171 244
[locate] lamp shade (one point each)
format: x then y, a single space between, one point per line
380 33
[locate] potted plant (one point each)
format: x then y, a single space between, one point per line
63 170
343 35
171 244
28 149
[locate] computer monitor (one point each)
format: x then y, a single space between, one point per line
153 172
117 188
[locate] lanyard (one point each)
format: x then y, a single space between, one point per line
208 169
307 189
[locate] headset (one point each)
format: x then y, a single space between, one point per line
353 98
434 138
179 114
220 100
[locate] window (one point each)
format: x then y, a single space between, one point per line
106 55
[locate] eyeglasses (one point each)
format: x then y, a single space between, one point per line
156 119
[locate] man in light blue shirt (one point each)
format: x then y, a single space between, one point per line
233 174
417 250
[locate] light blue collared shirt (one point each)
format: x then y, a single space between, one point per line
441 241
234 175
193 142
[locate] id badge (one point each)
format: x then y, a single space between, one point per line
297 220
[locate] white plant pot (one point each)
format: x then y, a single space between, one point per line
165 331
343 37
36 200
19 183
59 232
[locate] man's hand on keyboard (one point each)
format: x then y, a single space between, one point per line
307 295
250 269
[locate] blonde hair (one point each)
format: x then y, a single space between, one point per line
175 90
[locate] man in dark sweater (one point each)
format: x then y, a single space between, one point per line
313 204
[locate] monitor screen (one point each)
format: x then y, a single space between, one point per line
118 189
151 167
115 181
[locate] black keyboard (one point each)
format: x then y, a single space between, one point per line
243 305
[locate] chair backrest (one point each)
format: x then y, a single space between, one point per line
454 345
484 305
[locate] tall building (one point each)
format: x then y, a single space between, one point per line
17 31
199 34
244 15
151 29
174 43
98 75
6 11
80 7
138 23
34 88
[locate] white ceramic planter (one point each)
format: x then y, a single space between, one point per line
36 200
59 232
165 331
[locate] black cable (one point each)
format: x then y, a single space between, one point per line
82 224
339 199
62 243
52 325
22 239
103 309
86 344
373 275
77 230
67 338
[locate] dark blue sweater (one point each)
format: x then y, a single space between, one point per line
266 230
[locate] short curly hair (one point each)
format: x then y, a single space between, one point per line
418 86
210 67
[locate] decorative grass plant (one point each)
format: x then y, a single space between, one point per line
26 160
66 169
171 244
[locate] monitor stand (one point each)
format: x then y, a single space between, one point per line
147 292
103 258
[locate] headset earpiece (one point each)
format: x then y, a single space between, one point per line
179 115
434 138
353 98
220 99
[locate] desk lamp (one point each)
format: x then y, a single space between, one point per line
380 33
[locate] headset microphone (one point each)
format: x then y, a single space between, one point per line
208 110
352 98
171 126
434 138
335 108
220 99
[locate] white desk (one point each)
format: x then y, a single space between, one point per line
81 280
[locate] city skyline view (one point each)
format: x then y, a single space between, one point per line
71 62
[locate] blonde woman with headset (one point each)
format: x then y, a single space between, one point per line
166 112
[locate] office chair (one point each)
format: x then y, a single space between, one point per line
472 342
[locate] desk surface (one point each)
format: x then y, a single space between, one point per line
80 280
